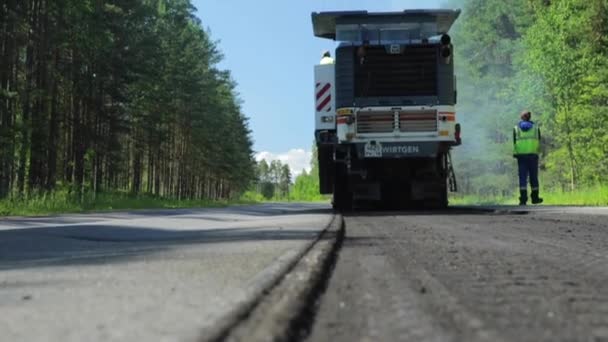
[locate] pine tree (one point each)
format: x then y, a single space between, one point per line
117 95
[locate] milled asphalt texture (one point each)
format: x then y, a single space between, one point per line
469 274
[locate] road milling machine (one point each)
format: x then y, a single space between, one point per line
385 109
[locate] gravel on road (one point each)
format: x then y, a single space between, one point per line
469 275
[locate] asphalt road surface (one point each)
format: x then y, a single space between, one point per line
463 274
169 275
469 275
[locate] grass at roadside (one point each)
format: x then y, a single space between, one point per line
597 196
593 196
63 202
480 200
252 196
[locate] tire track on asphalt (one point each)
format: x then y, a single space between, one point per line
534 288
470 326
378 304
282 305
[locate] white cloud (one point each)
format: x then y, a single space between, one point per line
298 159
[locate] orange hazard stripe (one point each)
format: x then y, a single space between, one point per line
341 119
449 116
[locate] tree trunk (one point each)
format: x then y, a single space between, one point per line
570 147
53 133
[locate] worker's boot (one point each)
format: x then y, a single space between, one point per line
535 198
523 197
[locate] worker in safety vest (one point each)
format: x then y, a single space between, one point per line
526 148
326 58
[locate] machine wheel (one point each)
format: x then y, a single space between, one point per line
440 198
444 198
342 194
326 168
395 196
442 201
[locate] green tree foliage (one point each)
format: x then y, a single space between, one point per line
546 56
274 180
285 181
117 95
306 187
487 39
568 52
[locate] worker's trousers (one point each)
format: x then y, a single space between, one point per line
527 165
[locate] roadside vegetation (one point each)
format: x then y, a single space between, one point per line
595 196
115 104
274 183
550 57
62 201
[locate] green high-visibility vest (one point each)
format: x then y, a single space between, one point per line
526 142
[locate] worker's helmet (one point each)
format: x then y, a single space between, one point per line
526 115
326 53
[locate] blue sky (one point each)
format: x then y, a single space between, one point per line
270 49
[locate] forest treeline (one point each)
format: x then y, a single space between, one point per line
550 57
274 181
117 95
